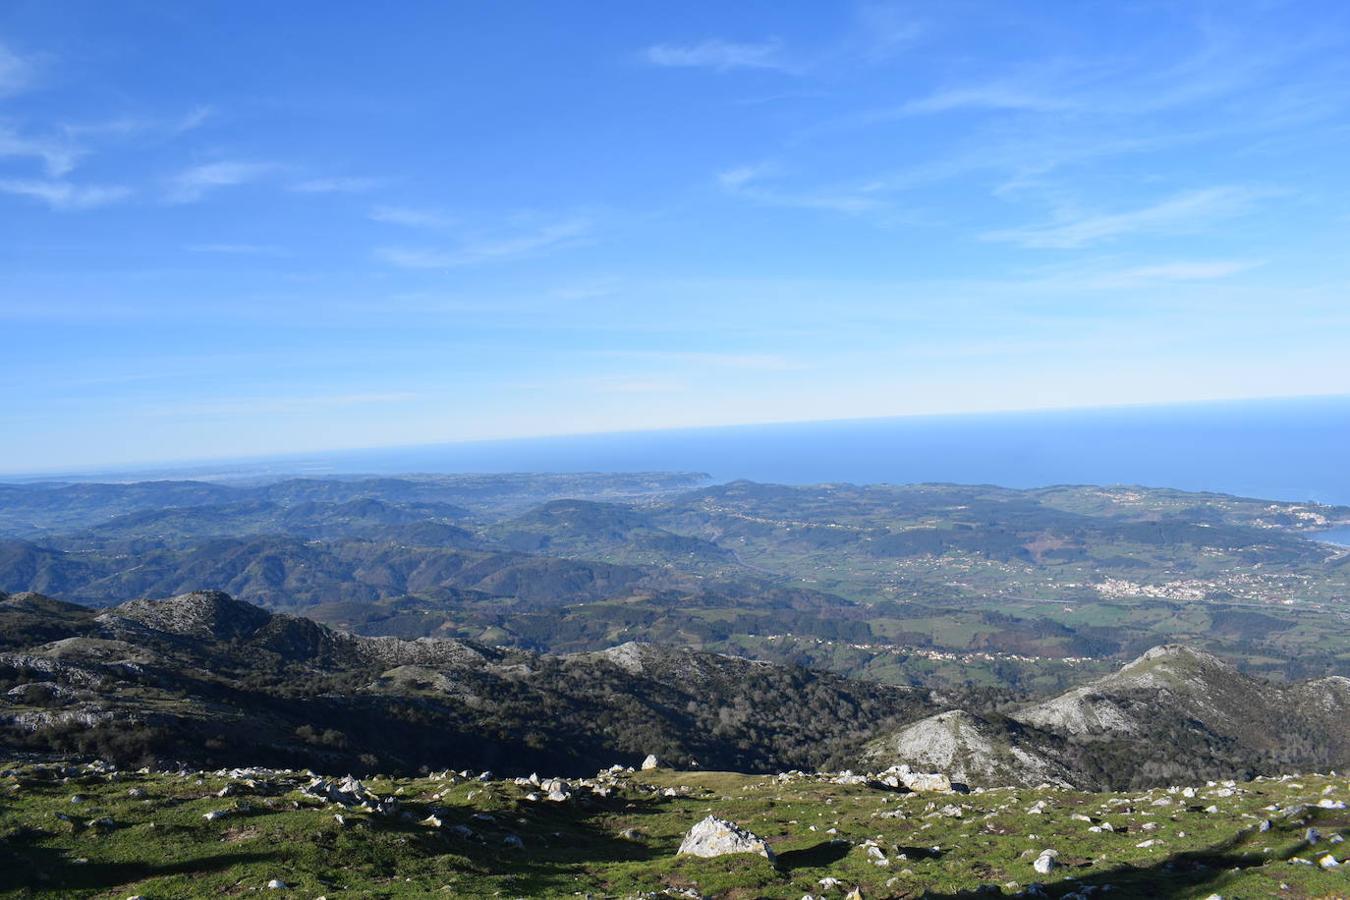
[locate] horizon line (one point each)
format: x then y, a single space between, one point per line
184 464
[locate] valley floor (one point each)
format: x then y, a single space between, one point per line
87 830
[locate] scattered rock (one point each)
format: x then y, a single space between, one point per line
718 837
926 783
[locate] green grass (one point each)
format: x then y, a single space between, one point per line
161 846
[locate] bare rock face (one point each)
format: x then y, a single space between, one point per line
651 762
718 837
969 749
1178 678
200 614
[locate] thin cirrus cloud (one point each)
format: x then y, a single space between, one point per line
763 362
987 97
337 185
67 144
238 249
757 184
495 248
288 405
719 55
58 156
16 72
1204 270
64 196
1178 213
128 126
411 217
1095 276
192 184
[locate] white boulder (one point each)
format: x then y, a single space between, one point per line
718 837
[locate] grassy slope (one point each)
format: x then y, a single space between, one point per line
161 846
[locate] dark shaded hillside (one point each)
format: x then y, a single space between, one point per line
214 681
282 571
364 518
581 527
37 509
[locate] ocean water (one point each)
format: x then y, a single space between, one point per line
1296 449
1338 536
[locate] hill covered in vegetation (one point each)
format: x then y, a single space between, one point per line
1025 591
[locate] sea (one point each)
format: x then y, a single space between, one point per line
1290 449
1338 536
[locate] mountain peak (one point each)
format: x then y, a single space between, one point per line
1170 684
205 614
970 749
1172 666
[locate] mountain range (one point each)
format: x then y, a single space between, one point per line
960 586
214 681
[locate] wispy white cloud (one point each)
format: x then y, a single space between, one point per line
873 34
64 196
238 249
1178 213
16 72
636 384
1204 270
498 247
757 183
194 119
67 144
763 362
416 257
993 96
58 156
338 185
191 185
880 30
411 217
271 404
1111 275
124 127
719 55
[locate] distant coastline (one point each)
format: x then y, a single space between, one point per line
1289 449
1338 536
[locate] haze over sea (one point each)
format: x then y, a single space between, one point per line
1287 449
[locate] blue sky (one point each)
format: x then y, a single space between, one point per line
247 227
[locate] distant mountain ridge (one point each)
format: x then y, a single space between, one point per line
933 584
